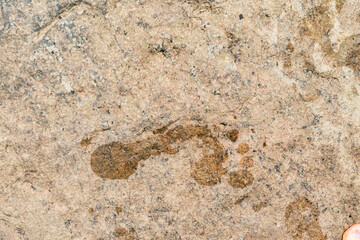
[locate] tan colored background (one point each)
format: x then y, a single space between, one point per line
76 75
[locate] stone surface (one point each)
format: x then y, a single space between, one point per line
182 119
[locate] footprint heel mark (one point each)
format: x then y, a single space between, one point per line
116 160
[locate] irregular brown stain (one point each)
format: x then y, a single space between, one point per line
234 47
354 91
302 220
163 129
243 148
91 211
118 210
246 162
259 206
309 66
287 62
87 141
240 179
124 234
317 25
339 4
118 160
241 199
287 57
232 135
310 96
355 153
160 130
208 170
290 47
351 46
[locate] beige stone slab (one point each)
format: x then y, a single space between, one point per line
182 119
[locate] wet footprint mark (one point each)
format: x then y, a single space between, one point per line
118 160
242 178
302 220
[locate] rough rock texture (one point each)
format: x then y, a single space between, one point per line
181 119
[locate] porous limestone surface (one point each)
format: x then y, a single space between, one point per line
179 119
